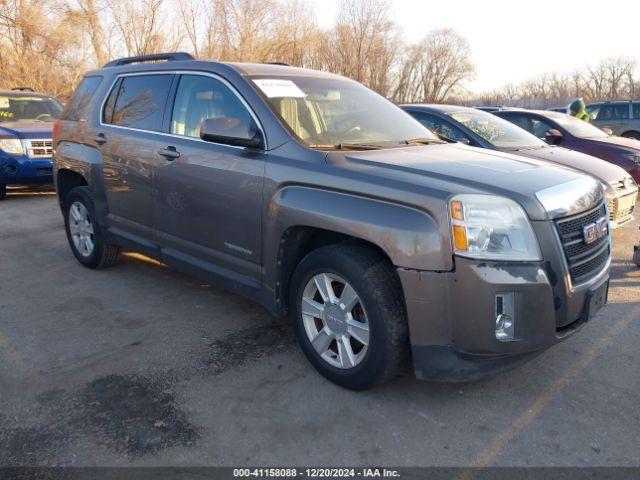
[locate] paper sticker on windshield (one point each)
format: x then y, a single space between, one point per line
274 87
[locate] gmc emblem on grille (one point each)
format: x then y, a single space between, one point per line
595 230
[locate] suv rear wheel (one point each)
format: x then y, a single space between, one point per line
83 232
3 192
349 315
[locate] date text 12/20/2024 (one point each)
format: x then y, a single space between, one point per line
315 473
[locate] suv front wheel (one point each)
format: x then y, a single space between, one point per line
349 315
83 232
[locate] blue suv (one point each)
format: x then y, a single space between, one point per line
26 150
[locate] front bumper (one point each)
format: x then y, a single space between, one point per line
452 316
22 170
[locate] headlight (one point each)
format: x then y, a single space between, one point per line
492 228
11 145
634 157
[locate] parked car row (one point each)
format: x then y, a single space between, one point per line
318 198
485 130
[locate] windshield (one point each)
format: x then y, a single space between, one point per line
334 113
578 128
498 132
20 108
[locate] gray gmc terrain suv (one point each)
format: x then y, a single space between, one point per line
314 196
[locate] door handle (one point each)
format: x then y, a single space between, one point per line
170 153
100 139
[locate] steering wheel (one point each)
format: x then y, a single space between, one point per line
43 115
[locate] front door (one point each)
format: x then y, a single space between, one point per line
209 196
128 141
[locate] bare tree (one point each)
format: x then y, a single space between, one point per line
435 69
89 15
38 47
363 44
143 27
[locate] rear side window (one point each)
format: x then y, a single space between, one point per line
613 112
79 101
636 111
139 102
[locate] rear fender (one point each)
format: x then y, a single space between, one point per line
86 161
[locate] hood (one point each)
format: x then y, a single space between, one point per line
623 142
606 172
26 129
456 168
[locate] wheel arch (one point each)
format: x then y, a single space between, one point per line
631 134
301 219
67 180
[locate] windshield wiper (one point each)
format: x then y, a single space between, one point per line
347 146
357 146
422 141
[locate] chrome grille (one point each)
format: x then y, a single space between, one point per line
39 148
585 261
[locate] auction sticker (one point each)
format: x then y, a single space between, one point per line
275 87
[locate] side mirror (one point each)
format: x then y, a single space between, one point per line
607 130
553 136
231 131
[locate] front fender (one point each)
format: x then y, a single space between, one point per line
411 238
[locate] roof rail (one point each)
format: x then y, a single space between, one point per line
156 57
282 64
23 89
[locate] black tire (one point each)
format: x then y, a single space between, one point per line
377 285
103 254
636 255
634 135
3 192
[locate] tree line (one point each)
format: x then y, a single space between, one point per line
49 44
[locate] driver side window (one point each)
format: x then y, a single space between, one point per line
532 125
199 98
442 128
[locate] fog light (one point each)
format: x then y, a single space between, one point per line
505 317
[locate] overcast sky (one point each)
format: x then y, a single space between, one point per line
515 40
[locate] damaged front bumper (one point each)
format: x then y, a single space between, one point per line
452 315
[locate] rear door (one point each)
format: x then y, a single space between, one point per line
209 199
128 139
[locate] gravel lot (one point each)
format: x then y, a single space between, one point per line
140 365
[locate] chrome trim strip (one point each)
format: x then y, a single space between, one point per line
183 72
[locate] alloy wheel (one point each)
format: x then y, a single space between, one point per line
335 320
81 229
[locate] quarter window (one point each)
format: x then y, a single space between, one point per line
80 99
140 102
200 98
